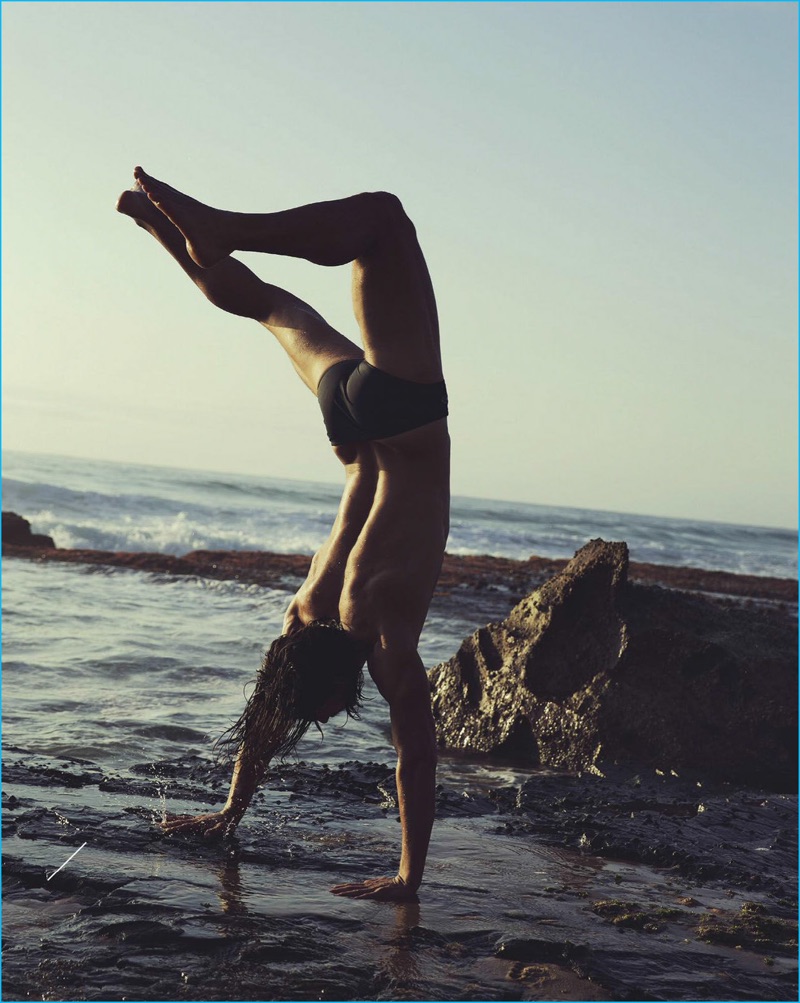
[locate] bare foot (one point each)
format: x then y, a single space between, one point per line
199 223
137 205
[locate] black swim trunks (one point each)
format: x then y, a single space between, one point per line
360 402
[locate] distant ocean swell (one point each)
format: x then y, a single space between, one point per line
113 506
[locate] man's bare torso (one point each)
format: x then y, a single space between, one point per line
378 569
393 568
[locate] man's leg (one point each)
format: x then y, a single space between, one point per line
392 293
311 343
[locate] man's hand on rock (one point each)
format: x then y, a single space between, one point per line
378 889
215 825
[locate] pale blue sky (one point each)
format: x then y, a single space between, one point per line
606 195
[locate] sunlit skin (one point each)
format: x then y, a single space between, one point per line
377 570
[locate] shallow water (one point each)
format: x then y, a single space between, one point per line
116 684
503 915
110 722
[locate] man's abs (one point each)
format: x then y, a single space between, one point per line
393 568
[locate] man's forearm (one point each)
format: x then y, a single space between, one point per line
256 749
416 792
354 508
401 678
247 775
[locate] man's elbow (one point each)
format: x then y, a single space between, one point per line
420 751
418 767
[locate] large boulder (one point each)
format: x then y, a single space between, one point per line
590 669
17 531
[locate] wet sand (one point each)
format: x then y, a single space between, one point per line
540 885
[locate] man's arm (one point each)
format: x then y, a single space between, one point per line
414 738
403 682
318 597
248 772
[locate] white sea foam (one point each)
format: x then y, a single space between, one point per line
110 506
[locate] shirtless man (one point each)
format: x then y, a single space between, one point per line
367 593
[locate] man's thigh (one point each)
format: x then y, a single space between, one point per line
394 304
312 345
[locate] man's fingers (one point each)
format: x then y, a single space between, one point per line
368 883
358 886
346 889
213 826
380 889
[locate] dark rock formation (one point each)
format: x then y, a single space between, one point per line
17 531
590 669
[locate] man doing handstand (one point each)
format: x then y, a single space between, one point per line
370 585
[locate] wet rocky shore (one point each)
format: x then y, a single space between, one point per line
539 887
542 884
512 578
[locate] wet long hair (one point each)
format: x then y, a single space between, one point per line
298 674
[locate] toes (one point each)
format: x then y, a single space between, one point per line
130 201
124 203
147 184
152 185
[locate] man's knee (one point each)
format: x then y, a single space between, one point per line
389 213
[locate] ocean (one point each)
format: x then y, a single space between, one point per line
165 659
117 682
120 506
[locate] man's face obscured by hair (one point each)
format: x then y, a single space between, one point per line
328 665
306 676
334 705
